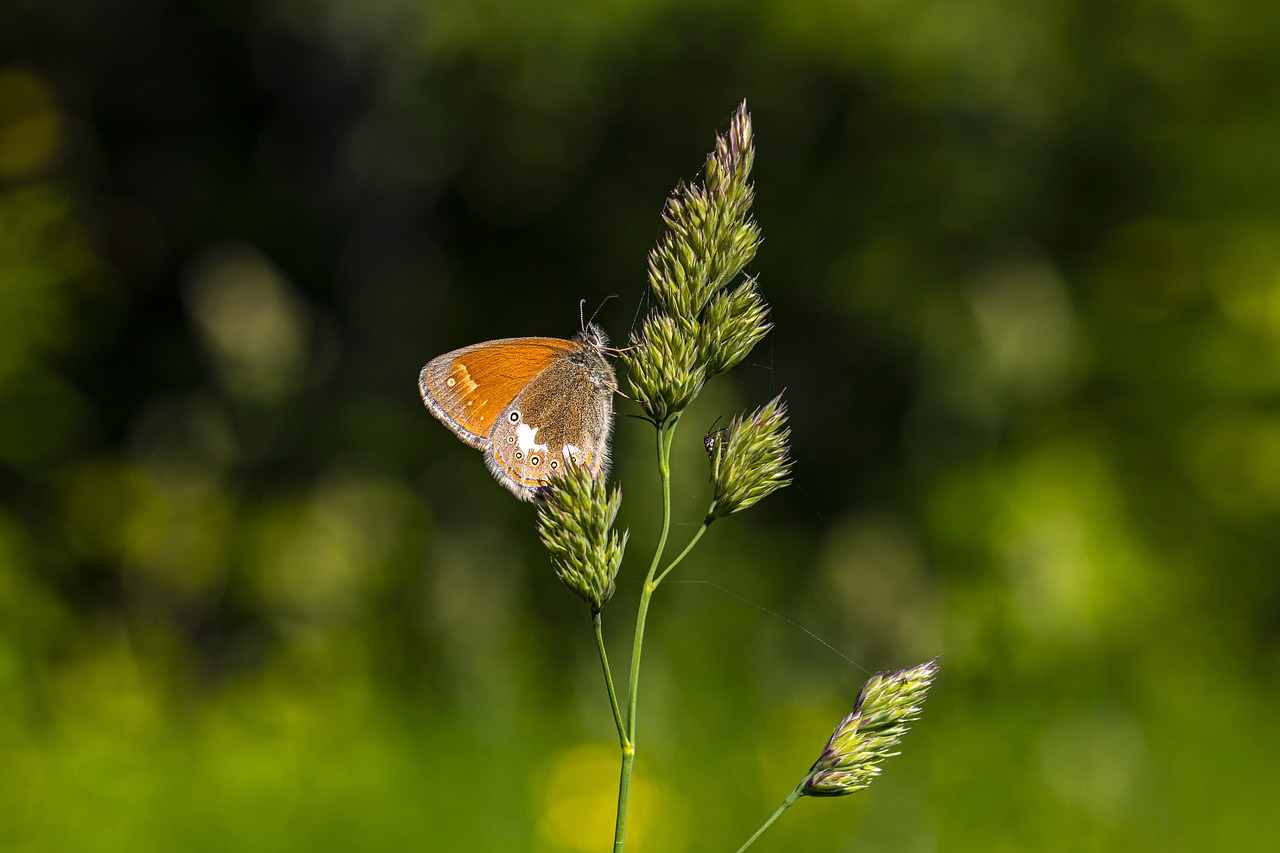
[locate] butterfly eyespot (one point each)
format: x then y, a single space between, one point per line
450 382
554 465
519 455
514 417
533 460
511 439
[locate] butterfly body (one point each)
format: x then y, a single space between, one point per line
533 405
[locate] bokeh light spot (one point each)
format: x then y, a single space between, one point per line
30 125
1027 324
576 812
255 326
1233 457
1094 761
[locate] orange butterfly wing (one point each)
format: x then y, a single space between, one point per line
468 389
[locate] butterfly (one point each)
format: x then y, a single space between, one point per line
533 405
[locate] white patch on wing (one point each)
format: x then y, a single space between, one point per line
526 436
573 453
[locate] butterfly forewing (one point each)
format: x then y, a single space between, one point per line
469 388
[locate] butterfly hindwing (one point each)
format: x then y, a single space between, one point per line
563 417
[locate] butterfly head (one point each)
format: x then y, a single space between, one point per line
593 336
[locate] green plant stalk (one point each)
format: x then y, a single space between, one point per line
687 549
786 804
608 678
666 433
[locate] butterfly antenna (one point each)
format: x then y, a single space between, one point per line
583 304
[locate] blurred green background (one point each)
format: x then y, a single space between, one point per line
1024 263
